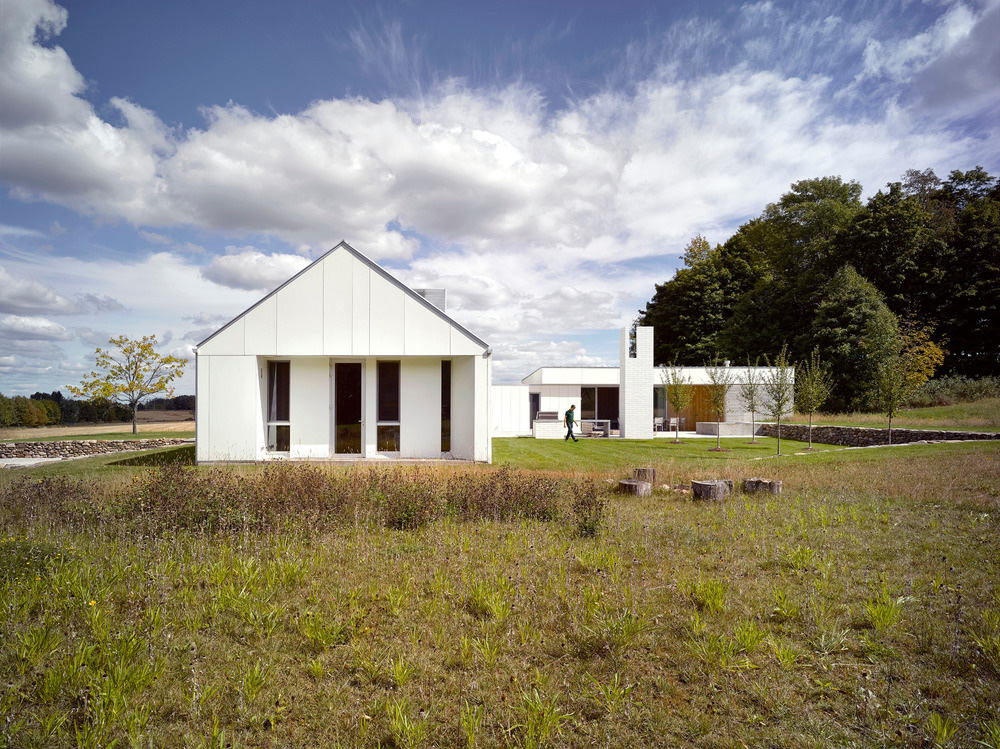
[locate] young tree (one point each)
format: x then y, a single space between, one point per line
779 388
721 377
679 393
813 384
131 371
749 389
908 363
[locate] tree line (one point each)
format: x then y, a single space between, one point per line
44 409
917 265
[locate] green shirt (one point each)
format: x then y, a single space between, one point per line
569 417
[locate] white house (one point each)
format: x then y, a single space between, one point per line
629 398
343 361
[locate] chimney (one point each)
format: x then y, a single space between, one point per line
437 297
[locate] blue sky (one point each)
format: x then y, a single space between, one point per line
163 165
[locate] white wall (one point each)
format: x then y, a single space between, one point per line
229 418
343 307
635 393
510 410
309 407
470 417
557 398
420 408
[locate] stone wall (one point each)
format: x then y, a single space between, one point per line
865 436
78 448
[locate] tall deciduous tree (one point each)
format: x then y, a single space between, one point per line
908 360
813 383
850 312
779 388
679 393
722 381
129 372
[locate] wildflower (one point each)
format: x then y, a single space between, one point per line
92 603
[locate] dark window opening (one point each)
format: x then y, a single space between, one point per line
387 432
278 379
279 432
388 391
445 406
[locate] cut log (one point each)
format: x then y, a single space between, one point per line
757 484
714 489
636 487
645 474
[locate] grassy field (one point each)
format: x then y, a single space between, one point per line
489 607
982 415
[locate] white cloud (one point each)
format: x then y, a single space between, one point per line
20 296
153 238
252 270
527 213
30 328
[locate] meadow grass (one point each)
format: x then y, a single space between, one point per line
976 416
452 606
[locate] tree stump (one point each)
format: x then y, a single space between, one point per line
636 487
757 484
645 474
714 489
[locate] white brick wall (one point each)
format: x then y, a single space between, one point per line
635 389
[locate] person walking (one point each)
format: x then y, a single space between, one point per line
568 422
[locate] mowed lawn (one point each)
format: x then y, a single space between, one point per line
377 607
602 455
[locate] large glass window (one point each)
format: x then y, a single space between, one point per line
445 406
388 406
279 431
588 403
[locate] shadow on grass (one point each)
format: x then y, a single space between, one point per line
183 455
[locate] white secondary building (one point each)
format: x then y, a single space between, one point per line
628 401
343 361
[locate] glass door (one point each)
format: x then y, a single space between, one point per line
347 408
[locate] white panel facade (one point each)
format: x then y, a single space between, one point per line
309 407
338 304
227 342
558 398
425 332
300 315
420 408
342 308
386 314
202 424
260 334
361 311
510 410
463 407
235 421
462 345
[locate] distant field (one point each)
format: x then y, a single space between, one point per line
149 421
977 416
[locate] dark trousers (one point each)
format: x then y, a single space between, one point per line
569 431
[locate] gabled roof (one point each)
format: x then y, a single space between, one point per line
373 266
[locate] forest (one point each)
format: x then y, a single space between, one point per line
821 271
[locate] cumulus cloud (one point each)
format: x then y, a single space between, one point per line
21 296
529 213
30 328
251 269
